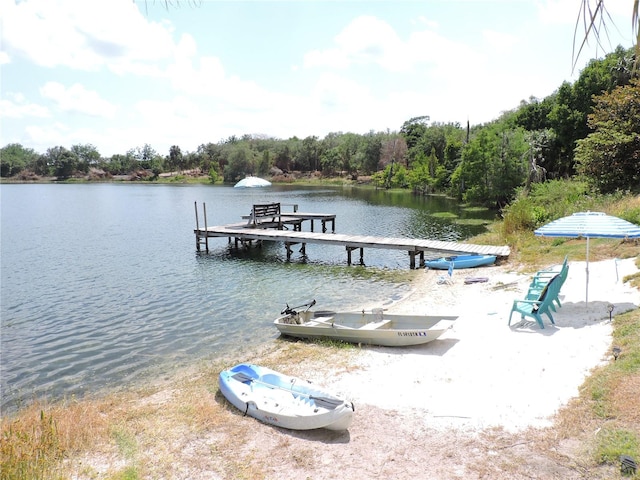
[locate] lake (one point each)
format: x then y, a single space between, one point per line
102 286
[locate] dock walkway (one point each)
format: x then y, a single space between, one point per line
246 233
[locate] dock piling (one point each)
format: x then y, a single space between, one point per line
201 239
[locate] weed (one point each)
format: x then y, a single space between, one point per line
125 441
31 448
129 473
448 215
611 443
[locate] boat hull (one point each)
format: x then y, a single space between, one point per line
283 401
386 330
461 261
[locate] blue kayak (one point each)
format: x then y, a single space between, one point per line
284 401
461 261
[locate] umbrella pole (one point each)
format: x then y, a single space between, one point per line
586 296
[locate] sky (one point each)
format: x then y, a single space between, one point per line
121 74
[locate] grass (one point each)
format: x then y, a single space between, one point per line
35 443
446 215
606 415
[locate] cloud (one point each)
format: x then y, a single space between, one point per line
17 107
431 24
567 12
370 41
43 137
78 99
499 41
206 77
365 40
84 35
554 12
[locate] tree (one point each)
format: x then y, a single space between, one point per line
211 156
87 155
600 75
213 175
241 163
191 161
143 155
473 172
493 165
452 156
564 113
330 156
394 149
420 177
176 161
14 158
532 115
413 129
369 152
433 141
330 161
511 167
609 157
564 120
340 153
283 159
63 161
265 163
400 177
348 150
307 156
120 164
538 141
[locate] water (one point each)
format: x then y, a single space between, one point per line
102 287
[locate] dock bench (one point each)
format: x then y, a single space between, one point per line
266 215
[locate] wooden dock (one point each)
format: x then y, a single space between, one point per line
243 233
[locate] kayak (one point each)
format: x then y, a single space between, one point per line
283 401
461 261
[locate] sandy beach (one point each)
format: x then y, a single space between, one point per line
483 373
473 404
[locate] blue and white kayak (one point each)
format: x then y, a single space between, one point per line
283 401
461 261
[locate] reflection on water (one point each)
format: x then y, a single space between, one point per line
102 285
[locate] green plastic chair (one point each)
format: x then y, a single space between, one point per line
541 279
543 276
541 306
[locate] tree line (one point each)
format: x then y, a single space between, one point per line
588 129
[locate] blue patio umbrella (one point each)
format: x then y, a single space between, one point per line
589 225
